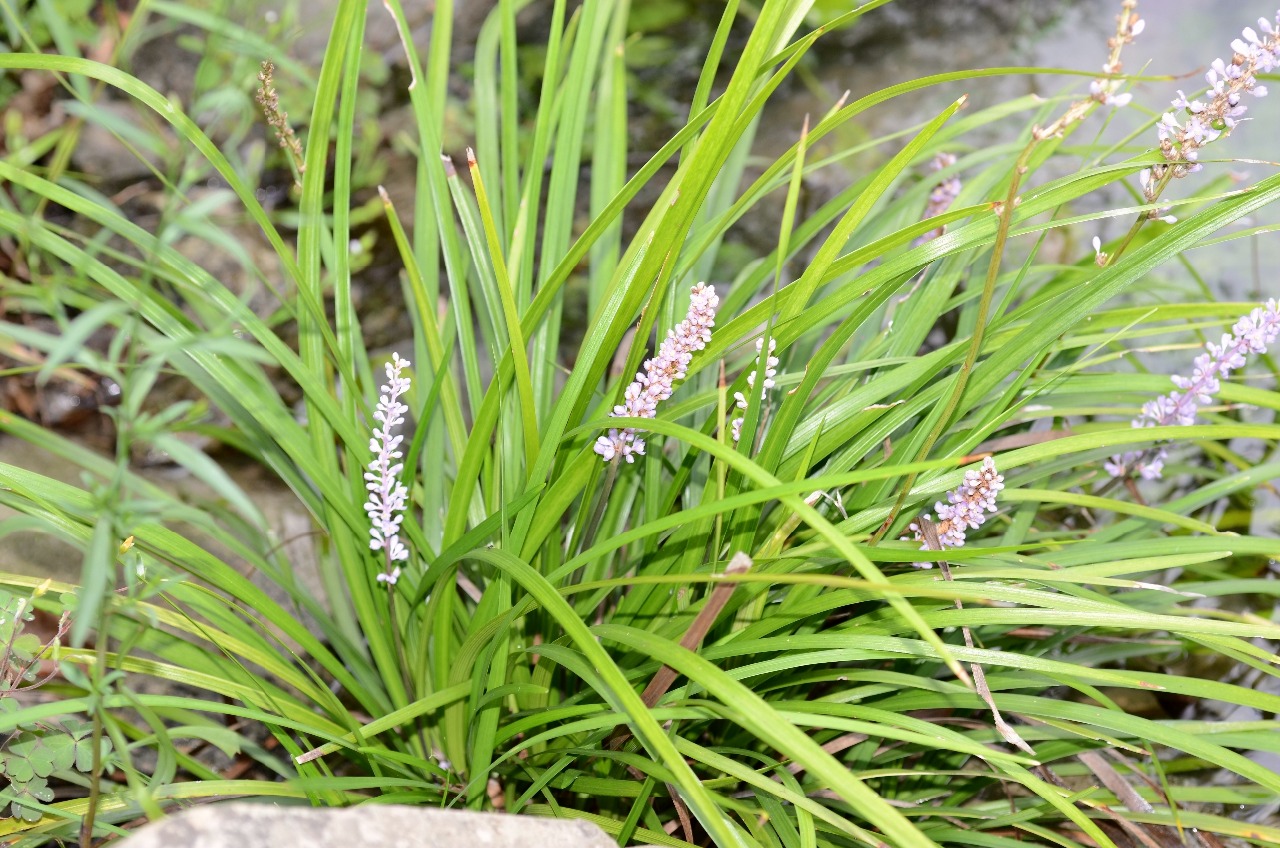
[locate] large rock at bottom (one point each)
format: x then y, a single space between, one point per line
243 825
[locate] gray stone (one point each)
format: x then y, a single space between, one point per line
41 553
102 154
247 825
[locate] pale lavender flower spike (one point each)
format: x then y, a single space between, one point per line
1251 334
741 401
1107 91
943 195
656 381
387 495
966 509
1195 123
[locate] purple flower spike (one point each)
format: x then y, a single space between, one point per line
1251 334
657 381
1128 27
966 509
387 495
1194 124
943 195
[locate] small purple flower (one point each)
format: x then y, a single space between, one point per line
656 382
966 509
1195 107
387 495
1251 334
1099 255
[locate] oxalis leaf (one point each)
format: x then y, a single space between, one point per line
72 745
25 798
28 757
26 648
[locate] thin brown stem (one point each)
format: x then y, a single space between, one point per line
979 682
1005 729
691 640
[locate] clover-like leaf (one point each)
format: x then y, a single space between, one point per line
26 648
75 745
18 768
84 753
9 615
25 799
75 728
29 757
62 750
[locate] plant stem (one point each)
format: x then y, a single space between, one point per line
398 639
692 638
597 515
406 676
95 773
979 331
1142 219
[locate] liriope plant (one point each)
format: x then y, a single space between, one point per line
694 622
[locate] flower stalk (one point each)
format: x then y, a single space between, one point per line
944 193
743 401
1203 122
1193 123
1128 26
269 100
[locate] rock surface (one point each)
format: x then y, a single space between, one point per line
244 825
122 143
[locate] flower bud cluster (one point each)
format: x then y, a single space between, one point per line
1194 123
656 381
1128 27
943 195
966 509
742 402
387 495
1251 334
1104 91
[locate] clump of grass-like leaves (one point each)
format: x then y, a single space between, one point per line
723 641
